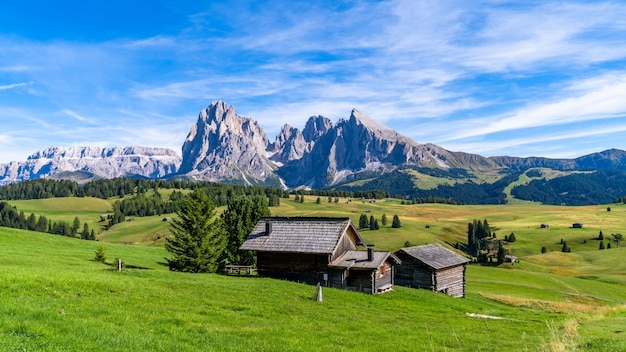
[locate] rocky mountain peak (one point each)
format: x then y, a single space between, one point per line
316 126
225 146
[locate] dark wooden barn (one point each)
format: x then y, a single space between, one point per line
432 267
319 250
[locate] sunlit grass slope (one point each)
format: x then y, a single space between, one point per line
54 297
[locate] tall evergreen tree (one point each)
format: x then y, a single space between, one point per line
238 220
371 222
395 223
75 227
198 240
501 253
384 219
85 234
363 221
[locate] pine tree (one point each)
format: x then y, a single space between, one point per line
384 219
85 234
197 240
318 201
376 226
371 222
601 245
501 253
100 254
395 223
511 237
238 220
363 221
75 227
600 236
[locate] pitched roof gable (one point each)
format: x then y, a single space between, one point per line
300 235
435 255
358 260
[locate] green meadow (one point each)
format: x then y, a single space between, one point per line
55 297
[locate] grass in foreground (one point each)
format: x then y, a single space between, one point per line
54 297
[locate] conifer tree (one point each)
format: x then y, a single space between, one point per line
384 219
85 234
501 253
363 221
601 245
395 223
198 240
100 254
238 220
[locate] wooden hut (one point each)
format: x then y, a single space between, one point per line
432 267
318 250
364 271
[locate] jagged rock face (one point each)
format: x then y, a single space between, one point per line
356 145
289 145
316 127
104 162
225 146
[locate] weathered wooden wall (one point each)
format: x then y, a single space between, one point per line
361 280
451 281
413 273
300 267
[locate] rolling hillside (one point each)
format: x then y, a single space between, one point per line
55 297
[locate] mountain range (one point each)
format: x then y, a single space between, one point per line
223 146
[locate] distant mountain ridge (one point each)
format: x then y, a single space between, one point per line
103 162
223 146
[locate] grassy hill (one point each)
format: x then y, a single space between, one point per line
54 297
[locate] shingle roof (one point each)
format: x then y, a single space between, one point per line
299 235
435 255
358 260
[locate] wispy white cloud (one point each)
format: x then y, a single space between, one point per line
13 86
602 99
76 116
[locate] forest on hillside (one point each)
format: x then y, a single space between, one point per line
599 187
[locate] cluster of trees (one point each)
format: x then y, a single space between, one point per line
598 187
219 193
402 185
477 231
372 222
204 242
11 217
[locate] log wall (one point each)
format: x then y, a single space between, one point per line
300 267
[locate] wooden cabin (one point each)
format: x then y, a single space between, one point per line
319 250
432 267
364 271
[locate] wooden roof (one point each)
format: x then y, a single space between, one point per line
358 260
435 255
300 235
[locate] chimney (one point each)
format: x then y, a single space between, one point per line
268 228
370 252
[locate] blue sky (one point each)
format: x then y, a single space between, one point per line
519 78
